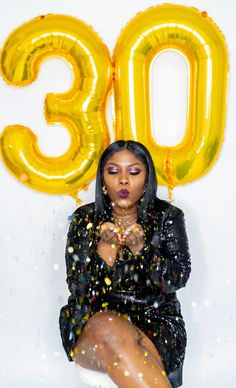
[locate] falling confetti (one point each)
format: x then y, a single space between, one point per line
107 281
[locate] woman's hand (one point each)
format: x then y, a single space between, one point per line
111 233
133 237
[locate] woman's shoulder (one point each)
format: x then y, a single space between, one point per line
84 211
166 208
88 207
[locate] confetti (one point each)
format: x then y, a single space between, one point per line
107 281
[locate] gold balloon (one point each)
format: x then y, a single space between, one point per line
81 109
199 40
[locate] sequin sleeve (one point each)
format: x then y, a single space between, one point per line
77 278
77 311
170 266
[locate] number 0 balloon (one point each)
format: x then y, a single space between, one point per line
193 34
81 109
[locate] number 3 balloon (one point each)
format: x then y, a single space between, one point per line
81 109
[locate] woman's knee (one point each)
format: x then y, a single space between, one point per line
111 327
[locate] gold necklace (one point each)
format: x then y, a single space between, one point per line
125 221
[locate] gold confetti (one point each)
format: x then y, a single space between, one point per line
105 304
140 374
107 281
163 373
70 249
90 224
145 354
126 373
86 317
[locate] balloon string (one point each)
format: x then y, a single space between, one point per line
170 194
168 172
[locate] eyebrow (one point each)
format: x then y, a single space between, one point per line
129 164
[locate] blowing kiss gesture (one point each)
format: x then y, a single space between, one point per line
115 235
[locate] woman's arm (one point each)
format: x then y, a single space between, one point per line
167 254
170 266
78 279
77 311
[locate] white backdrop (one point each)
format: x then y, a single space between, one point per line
33 225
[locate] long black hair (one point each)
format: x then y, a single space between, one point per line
102 204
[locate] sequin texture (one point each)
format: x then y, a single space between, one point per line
143 285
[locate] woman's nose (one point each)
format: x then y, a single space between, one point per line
124 180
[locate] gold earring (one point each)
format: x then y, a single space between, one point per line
104 190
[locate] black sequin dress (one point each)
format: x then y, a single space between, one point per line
142 287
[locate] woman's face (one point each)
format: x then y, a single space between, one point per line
124 171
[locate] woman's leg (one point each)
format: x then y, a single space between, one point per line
111 343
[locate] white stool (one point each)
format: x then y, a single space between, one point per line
95 378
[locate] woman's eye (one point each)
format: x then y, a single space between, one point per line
136 172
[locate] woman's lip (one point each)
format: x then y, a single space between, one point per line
123 193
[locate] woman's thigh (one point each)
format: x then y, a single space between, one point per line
108 327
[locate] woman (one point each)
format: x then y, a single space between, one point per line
127 253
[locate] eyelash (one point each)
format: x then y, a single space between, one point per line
131 172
